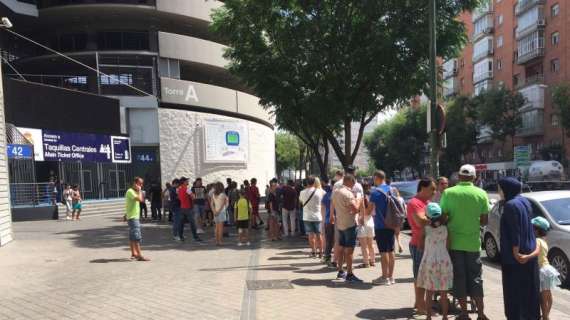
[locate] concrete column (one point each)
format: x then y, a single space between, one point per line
6 234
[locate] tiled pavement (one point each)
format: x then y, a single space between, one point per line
78 270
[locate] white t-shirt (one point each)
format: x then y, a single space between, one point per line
312 211
219 201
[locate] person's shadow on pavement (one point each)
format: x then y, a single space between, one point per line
376 314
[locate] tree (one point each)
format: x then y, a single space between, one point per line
332 62
287 151
561 101
500 110
399 143
461 133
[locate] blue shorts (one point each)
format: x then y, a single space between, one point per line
385 240
135 230
347 237
417 255
312 227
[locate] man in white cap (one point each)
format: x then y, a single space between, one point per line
466 208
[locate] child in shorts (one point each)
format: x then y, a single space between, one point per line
242 211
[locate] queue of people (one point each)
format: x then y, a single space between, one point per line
335 215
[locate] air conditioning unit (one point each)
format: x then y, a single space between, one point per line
541 22
488 30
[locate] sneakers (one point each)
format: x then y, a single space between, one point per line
200 231
240 244
392 281
341 275
353 279
382 281
176 239
248 243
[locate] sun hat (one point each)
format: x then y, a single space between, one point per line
541 223
433 210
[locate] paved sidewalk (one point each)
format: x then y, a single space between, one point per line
81 270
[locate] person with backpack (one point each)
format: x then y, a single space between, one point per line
385 209
310 199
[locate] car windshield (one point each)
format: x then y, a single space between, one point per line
407 189
559 210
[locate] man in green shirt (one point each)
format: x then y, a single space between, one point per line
466 208
133 198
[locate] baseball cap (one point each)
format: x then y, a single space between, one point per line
541 223
433 210
467 170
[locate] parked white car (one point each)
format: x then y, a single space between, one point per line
552 205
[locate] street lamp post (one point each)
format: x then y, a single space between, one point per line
434 134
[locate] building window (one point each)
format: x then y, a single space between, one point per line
555 38
499 41
499 64
500 19
555 120
555 65
555 10
516 80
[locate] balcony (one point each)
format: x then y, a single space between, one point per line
524 5
483 26
450 87
450 69
539 24
530 47
530 55
191 49
482 49
487 75
534 96
532 124
482 86
484 9
530 80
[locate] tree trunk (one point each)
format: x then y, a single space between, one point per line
325 168
300 166
347 143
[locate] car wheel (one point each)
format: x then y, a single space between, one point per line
491 248
560 262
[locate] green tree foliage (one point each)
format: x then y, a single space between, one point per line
561 100
398 143
461 133
287 151
500 110
331 62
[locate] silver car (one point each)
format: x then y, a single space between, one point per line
552 205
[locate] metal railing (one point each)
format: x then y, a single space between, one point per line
56 3
534 53
32 194
483 76
530 80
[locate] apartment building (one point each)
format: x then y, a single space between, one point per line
522 45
